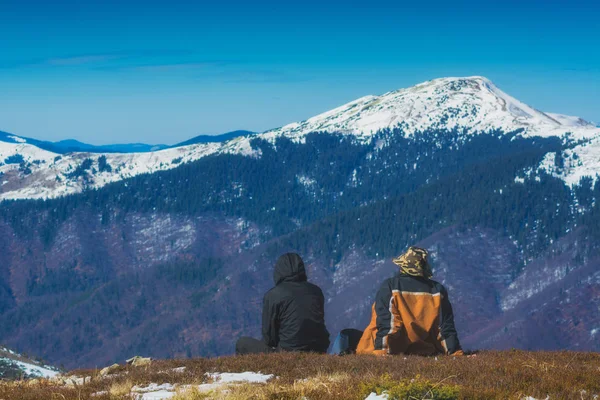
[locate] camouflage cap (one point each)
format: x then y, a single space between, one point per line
414 262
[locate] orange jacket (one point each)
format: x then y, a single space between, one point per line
411 315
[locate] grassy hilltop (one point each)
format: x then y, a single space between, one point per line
488 375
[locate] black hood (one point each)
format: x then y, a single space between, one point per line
289 268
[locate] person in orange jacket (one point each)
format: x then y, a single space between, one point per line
411 313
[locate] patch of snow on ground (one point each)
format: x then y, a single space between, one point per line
153 392
375 396
235 377
166 390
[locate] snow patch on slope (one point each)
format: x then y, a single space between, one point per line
568 120
30 369
530 283
33 370
578 162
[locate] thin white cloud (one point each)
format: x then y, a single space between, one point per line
81 60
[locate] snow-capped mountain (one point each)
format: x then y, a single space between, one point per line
29 172
474 105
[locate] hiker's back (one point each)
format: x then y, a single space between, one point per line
417 303
301 317
411 313
293 317
409 310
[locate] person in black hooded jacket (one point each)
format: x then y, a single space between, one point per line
293 313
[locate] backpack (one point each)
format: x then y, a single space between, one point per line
346 342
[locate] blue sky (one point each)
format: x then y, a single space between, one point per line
161 72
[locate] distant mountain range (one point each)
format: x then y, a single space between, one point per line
215 138
168 253
75 146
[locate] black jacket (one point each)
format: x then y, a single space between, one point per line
293 311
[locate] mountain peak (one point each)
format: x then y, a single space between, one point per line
474 103
450 79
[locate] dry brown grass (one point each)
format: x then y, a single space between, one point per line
192 394
489 375
120 388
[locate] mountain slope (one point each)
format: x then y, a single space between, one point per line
17 366
575 162
176 263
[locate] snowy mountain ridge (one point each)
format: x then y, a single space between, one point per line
473 104
28 172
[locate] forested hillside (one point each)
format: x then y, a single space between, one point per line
176 262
